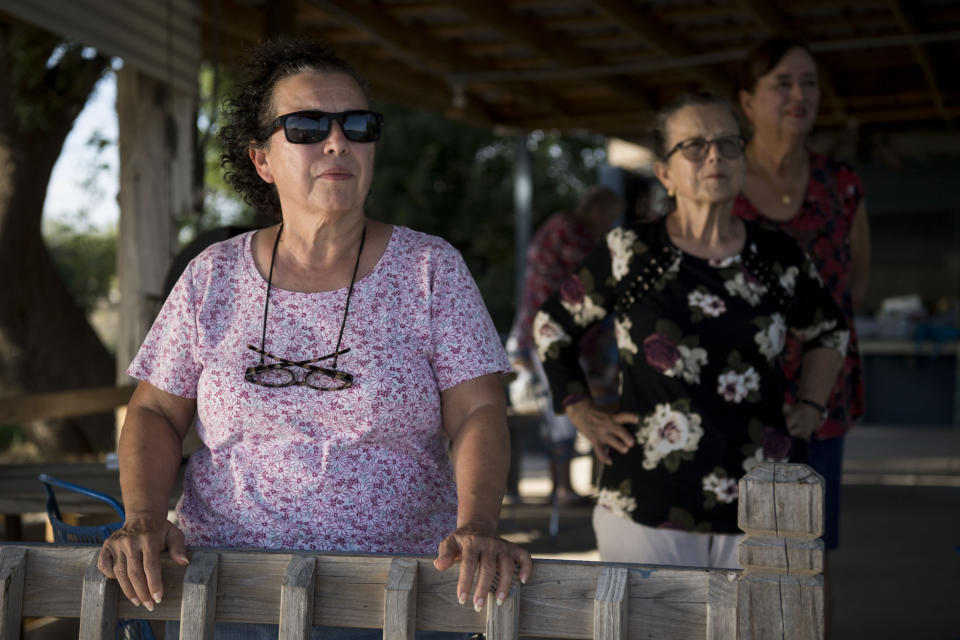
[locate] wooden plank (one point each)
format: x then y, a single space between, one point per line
63 404
557 601
199 603
156 125
780 606
783 555
400 600
98 605
781 500
102 25
610 613
296 599
13 568
722 607
503 620
781 511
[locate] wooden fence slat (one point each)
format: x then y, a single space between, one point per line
610 613
503 620
400 600
98 604
199 604
63 404
296 598
780 594
13 568
722 607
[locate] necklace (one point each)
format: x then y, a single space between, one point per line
346 306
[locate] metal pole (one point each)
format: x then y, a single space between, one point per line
522 208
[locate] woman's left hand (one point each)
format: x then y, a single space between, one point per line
484 554
803 421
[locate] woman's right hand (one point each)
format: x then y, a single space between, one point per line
602 429
131 555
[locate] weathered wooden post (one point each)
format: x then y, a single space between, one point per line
780 594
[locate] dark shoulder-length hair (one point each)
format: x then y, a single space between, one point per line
700 99
762 59
250 109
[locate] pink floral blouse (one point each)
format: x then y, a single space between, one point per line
360 469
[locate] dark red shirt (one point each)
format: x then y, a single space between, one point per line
822 228
558 246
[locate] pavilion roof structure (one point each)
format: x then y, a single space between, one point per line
608 65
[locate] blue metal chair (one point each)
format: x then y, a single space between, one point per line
95 534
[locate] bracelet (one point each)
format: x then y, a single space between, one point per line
819 407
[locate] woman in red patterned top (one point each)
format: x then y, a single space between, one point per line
820 203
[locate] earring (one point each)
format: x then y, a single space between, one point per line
670 193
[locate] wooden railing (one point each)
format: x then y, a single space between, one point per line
778 595
63 404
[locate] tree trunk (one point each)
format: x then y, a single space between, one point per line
46 343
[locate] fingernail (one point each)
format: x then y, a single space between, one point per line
148 605
478 605
135 601
462 598
500 599
157 597
523 579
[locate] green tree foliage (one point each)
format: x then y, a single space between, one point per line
456 181
85 258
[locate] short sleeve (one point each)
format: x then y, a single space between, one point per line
168 356
851 189
465 342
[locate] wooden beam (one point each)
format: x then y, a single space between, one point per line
658 37
922 56
400 600
199 604
63 404
557 48
503 620
610 612
418 48
98 608
13 567
296 599
781 592
557 601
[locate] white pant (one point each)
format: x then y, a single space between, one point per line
623 540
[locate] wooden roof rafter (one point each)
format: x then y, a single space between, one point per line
548 44
659 38
544 63
431 55
922 56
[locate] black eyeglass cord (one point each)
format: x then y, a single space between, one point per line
346 306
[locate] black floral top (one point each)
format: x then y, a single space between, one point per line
699 342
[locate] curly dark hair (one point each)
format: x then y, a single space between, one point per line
250 109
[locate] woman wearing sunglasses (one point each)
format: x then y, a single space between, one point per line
344 372
702 302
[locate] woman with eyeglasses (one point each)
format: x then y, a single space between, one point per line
343 372
702 302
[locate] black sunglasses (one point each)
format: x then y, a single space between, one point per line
307 127
696 149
